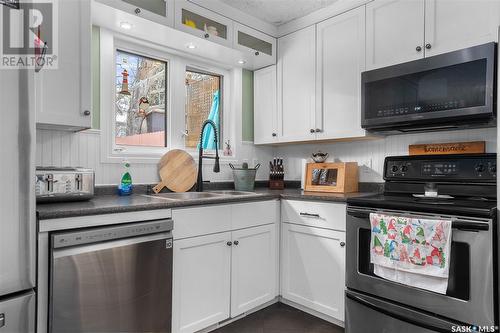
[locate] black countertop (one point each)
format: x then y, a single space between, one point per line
109 204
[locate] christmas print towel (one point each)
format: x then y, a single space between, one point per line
412 251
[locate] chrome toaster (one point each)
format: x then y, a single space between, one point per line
64 184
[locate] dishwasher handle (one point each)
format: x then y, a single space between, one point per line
166 237
109 233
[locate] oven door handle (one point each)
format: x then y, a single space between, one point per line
401 313
469 225
358 213
456 223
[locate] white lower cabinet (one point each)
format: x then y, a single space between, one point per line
313 268
254 268
223 274
202 282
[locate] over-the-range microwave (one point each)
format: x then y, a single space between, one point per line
449 91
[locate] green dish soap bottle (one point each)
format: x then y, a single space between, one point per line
125 186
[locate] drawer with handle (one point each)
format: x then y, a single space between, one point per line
328 215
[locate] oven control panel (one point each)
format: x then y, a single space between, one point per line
452 168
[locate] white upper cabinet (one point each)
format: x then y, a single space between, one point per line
265 110
63 95
259 49
453 25
203 23
254 267
340 60
395 32
159 11
296 85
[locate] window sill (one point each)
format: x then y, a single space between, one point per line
153 158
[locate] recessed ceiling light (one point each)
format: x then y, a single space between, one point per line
191 46
241 62
125 25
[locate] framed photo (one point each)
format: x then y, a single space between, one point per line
332 177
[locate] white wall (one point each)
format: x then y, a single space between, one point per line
57 148
370 154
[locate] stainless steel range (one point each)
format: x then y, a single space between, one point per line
466 185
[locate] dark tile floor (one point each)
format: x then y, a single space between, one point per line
280 318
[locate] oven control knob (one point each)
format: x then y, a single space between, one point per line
480 168
493 168
404 168
394 168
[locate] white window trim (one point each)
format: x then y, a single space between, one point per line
176 67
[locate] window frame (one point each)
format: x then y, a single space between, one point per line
177 65
222 106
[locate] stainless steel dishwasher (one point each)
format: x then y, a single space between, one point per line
112 279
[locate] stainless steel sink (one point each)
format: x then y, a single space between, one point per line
185 195
233 192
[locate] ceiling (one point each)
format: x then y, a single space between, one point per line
278 12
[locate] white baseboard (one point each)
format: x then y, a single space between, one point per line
265 305
232 320
312 312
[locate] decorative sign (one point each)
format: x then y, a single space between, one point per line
474 147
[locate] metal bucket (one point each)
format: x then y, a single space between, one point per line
244 179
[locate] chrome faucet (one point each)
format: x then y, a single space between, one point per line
199 182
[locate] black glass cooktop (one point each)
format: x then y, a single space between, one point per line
465 206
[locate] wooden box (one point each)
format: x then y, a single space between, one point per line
332 177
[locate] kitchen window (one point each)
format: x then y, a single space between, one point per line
140 101
203 101
153 99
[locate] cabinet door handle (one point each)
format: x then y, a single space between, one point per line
312 130
428 46
206 35
274 134
342 244
318 130
2 320
418 48
236 242
229 243
86 113
257 53
309 215
137 11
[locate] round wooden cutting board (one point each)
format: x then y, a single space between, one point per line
178 171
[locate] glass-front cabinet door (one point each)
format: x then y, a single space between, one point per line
258 47
159 11
203 23
255 42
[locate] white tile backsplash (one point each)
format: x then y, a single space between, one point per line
370 154
58 148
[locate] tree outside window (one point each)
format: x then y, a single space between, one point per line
140 105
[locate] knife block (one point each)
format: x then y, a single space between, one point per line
276 184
